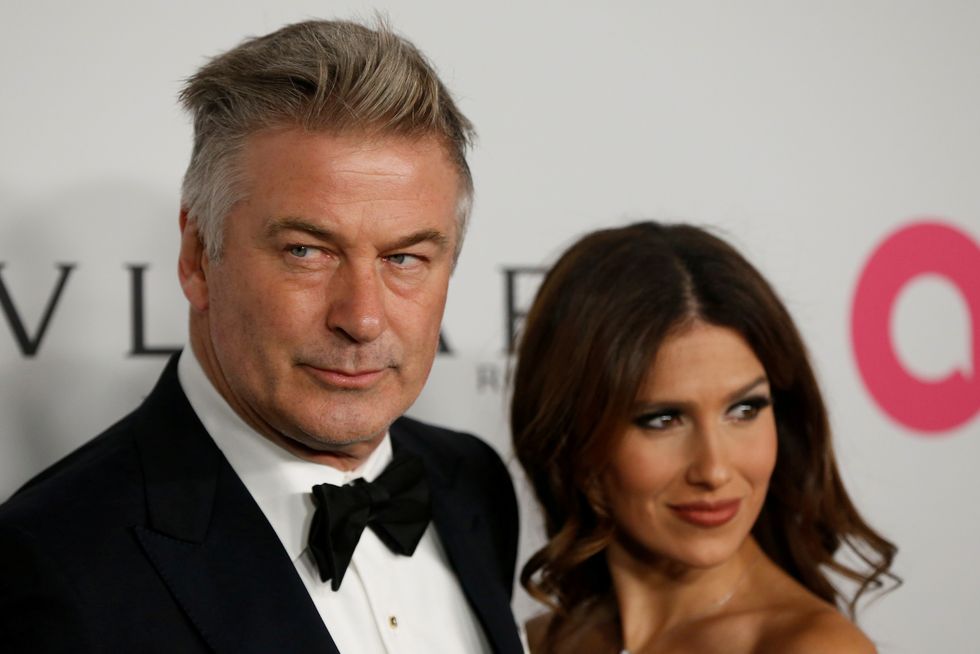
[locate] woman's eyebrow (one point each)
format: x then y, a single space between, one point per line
667 403
758 381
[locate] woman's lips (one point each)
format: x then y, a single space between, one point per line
353 379
707 514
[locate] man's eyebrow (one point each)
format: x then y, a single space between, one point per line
431 235
297 224
290 223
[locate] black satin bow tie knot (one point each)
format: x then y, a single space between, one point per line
396 506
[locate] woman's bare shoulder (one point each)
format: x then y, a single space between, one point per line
793 620
819 631
536 628
588 629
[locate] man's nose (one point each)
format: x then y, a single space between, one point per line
710 466
356 302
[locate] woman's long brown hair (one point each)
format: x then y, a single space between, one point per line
588 341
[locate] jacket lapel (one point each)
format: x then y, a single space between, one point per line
465 537
210 542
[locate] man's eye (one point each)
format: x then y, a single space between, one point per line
402 259
299 251
658 421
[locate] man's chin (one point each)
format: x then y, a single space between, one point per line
332 430
342 428
317 442
337 450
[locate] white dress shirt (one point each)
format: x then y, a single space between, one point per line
387 603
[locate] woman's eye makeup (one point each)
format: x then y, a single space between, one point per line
660 419
749 407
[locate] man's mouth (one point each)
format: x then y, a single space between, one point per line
350 379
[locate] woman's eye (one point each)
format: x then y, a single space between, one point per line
744 411
748 409
658 421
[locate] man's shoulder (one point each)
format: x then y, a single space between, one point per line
467 459
440 439
467 473
103 479
66 532
81 484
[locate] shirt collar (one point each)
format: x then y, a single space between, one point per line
278 480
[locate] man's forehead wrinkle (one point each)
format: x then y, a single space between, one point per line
372 162
373 173
344 202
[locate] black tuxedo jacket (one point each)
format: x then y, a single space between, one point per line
145 540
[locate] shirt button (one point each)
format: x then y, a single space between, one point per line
392 622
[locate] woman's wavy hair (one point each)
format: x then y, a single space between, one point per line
588 341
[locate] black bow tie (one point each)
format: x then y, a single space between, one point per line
395 506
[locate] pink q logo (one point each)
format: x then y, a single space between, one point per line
921 248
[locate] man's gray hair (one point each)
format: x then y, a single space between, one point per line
335 76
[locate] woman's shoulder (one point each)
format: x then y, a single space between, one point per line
793 620
583 631
536 628
813 630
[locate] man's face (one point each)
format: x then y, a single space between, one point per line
320 321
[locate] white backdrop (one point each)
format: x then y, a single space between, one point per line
809 133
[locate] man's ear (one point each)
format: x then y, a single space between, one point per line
192 265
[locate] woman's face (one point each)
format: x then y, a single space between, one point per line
688 479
